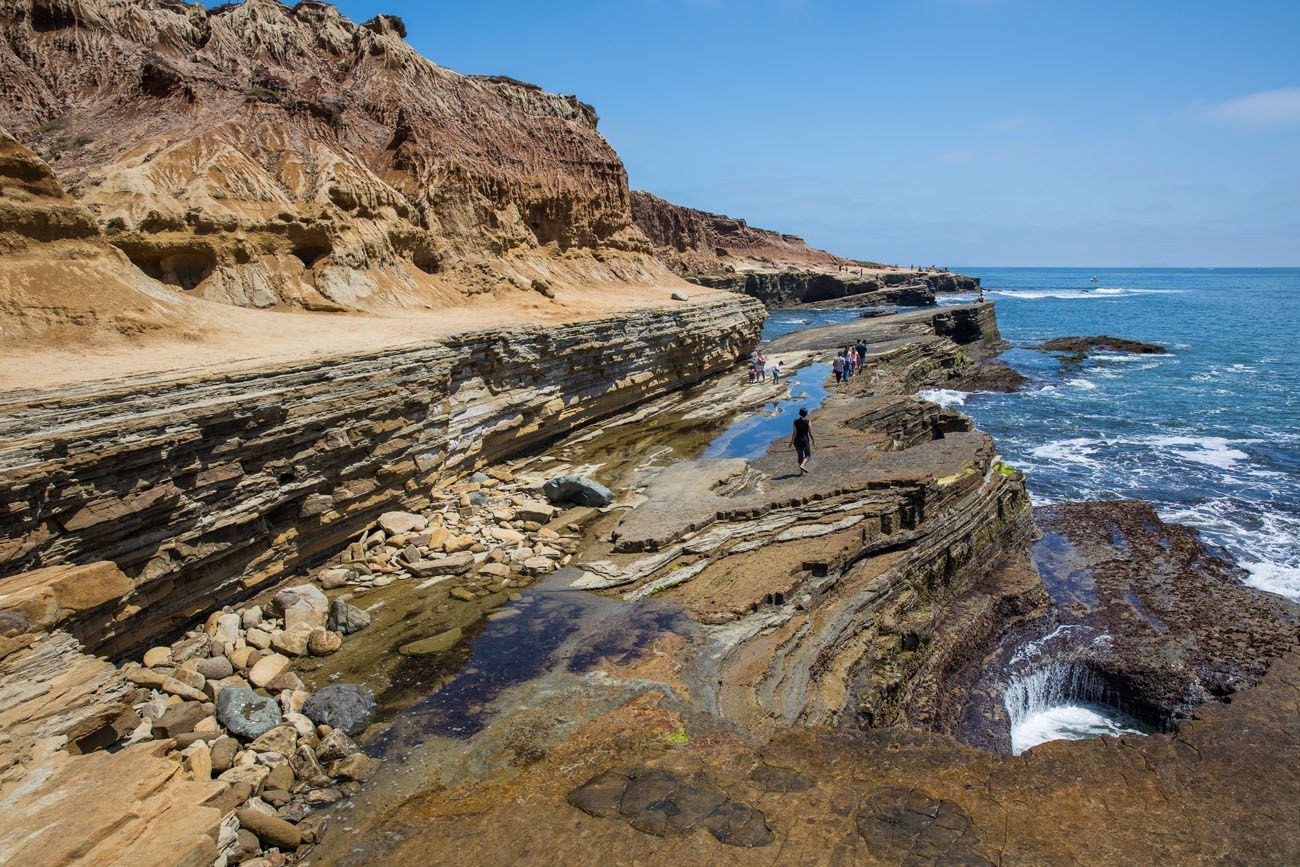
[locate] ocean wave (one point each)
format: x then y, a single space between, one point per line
1080 382
1274 578
1072 451
943 396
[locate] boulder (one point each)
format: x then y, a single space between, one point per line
396 523
179 719
214 667
282 739
452 564
681 296
358 767
343 706
530 510
291 642
223 753
334 746
272 831
245 714
322 642
156 656
268 668
300 596
347 618
332 579
579 490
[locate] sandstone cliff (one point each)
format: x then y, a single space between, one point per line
779 269
265 155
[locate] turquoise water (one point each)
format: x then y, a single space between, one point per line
1210 434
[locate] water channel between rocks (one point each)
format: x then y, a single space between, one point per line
548 637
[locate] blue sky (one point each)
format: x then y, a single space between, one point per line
993 132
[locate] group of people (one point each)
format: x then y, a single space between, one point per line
758 369
849 361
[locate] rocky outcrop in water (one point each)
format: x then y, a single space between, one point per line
1080 346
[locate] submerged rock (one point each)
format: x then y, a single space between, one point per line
343 706
577 489
245 714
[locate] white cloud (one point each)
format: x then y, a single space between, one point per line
1267 108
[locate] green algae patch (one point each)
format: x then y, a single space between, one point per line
945 481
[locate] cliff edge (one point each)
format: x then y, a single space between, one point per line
779 269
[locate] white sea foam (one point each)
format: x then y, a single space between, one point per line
1069 722
1080 382
943 396
1072 451
1275 578
1211 451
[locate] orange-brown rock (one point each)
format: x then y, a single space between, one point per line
266 155
780 270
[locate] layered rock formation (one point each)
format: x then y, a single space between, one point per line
781 663
264 155
778 269
205 488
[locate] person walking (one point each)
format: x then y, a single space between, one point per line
838 366
762 367
802 441
862 353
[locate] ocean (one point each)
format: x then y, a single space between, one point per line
1209 434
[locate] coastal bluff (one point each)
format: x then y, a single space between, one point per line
779 269
205 488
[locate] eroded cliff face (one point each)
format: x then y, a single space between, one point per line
58 275
780 270
698 242
258 154
205 488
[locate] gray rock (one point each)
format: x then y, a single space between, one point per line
681 296
301 596
347 618
215 667
343 706
245 714
577 489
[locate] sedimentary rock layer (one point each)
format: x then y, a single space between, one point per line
780 270
206 488
260 154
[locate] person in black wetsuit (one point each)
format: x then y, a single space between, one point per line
802 440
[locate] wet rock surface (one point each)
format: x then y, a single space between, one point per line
662 803
1142 615
1080 346
994 376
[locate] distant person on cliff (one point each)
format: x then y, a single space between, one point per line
802 440
776 372
762 366
838 366
862 352
980 298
